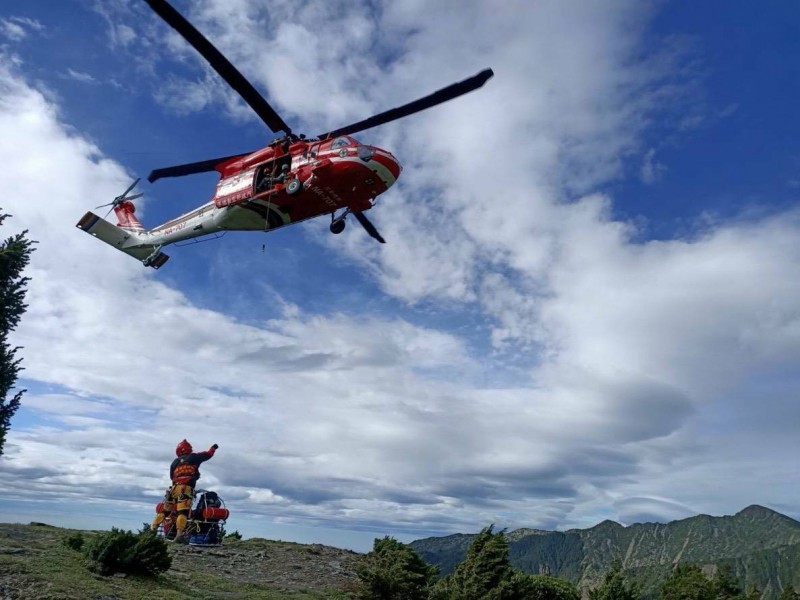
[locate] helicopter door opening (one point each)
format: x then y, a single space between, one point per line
270 174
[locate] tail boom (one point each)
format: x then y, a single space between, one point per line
126 240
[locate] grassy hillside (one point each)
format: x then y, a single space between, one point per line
35 565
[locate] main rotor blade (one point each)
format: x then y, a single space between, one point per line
443 95
221 65
202 166
367 224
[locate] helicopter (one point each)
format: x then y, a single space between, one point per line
292 179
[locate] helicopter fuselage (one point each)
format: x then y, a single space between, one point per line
277 186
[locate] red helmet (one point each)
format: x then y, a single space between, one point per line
183 448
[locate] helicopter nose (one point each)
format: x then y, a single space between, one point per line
382 163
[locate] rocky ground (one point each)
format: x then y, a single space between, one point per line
284 565
36 565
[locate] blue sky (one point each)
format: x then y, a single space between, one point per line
587 306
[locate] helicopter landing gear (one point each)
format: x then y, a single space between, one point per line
337 226
295 186
156 258
338 223
153 255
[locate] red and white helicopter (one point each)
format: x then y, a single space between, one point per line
290 180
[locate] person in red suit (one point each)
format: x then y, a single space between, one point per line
184 473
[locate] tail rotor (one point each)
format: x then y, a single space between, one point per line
122 198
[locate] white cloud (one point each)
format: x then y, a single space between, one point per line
80 76
125 35
13 31
17 29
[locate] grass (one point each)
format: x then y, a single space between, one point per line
35 561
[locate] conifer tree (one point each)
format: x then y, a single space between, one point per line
543 587
687 582
726 587
615 586
15 254
486 574
393 571
486 571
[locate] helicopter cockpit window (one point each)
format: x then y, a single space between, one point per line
340 142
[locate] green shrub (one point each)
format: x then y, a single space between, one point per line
234 535
687 582
121 551
74 541
547 587
393 571
789 593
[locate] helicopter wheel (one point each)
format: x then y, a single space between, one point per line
294 187
338 226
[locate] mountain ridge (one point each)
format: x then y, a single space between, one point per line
762 545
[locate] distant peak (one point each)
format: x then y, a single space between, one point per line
756 510
608 524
